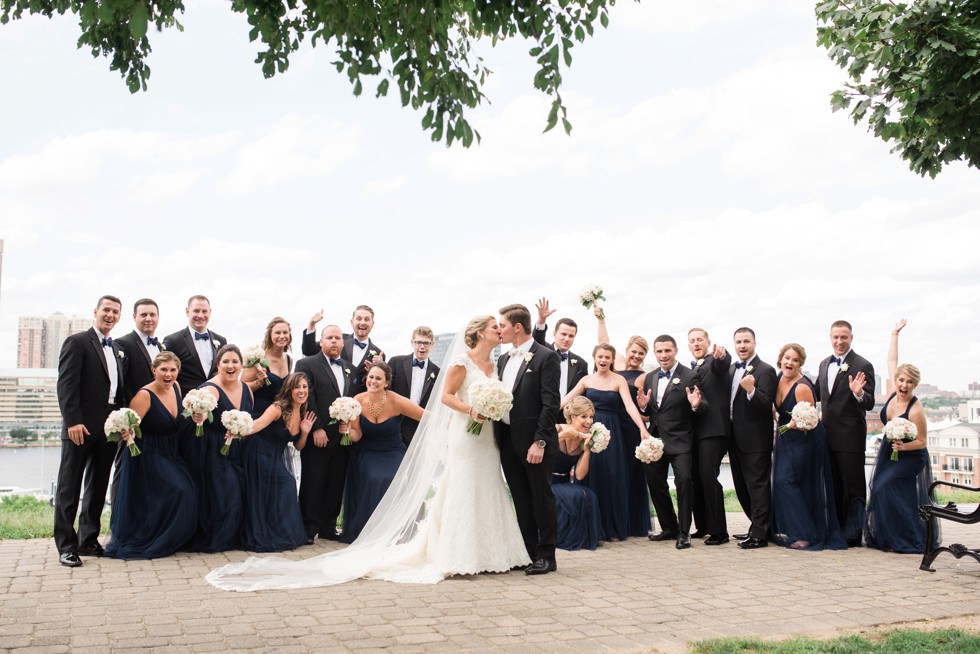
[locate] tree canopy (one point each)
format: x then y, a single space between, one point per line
425 47
914 74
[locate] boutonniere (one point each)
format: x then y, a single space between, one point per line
372 353
675 381
163 346
528 357
843 368
749 369
346 372
574 362
432 375
216 344
698 364
121 354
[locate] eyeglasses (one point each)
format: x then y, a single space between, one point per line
422 343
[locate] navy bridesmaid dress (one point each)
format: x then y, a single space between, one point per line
608 476
374 460
155 511
802 487
579 527
638 492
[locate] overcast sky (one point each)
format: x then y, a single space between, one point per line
706 182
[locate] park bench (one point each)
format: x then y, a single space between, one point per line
949 512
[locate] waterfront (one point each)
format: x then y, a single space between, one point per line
33 468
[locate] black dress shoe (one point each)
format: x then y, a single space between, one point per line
740 536
330 536
683 541
541 567
93 550
69 559
854 542
521 567
716 539
664 535
309 541
700 533
753 543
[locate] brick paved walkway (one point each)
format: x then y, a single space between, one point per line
633 596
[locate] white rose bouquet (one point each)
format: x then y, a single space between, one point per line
588 296
650 450
900 429
255 358
490 398
344 409
804 418
124 425
199 401
598 438
238 423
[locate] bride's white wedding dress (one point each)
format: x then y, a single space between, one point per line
446 513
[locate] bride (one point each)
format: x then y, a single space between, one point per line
446 512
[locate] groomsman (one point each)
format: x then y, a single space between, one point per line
846 391
358 348
139 346
526 436
573 367
90 387
671 398
414 376
752 384
196 345
324 461
712 429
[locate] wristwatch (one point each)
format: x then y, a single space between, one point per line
542 443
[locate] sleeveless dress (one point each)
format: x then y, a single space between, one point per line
155 511
578 509
219 480
374 460
898 488
803 507
638 492
608 476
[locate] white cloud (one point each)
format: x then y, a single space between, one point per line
382 187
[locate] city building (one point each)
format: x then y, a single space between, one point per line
970 411
29 399
39 340
955 452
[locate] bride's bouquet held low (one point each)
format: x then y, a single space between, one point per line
804 417
344 409
650 450
199 401
124 425
490 399
238 423
900 429
598 439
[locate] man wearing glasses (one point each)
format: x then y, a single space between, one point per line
413 376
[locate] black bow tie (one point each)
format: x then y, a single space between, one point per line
202 337
107 342
563 355
836 360
663 374
337 362
694 364
359 344
740 364
418 364
153 340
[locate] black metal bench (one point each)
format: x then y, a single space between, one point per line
949 512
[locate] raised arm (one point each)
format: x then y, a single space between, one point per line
578 390
893 349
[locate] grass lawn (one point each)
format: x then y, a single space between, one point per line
903 641
25 516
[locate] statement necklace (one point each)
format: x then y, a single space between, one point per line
373 408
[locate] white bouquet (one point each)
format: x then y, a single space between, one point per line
900 429
589 295
255 358
650 450
238 423
489 398
199 401
804 418
124 424
344 409
598 439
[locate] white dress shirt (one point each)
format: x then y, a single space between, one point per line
514 361
110 364
418 381
663 383
205 350
338 372
152 350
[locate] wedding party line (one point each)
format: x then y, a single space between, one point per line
477 466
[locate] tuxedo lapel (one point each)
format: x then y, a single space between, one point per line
328 373
428 380
97 344
192 349
348 379
823 381
142 347
348 351
525 363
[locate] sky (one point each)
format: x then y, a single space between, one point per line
706 183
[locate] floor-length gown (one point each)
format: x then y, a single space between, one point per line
374 460
608 476
579 527
155 511
219 480
898 488
638 492
803 510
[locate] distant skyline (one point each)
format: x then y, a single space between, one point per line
706 183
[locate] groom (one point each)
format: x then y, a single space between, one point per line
527 438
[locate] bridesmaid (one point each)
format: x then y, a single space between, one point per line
609 479
273 522
630 367
898 488
155 511
377 448
219 479
276 344
579 527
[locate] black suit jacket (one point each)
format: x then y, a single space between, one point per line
311 347
577 366
139 371
324 390
672 420
83 382
401 383
752 422
843 415
535 411
716 387
191 373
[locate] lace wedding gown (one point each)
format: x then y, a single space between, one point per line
446 512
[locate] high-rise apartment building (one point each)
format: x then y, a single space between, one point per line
39 340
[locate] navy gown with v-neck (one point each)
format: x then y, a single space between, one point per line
374 460
608 475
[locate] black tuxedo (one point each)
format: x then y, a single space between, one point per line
311 346
321 489
712 429
401 383
847 430
577 366
532 418
750 452
138 373
672 421
191 373
83 396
